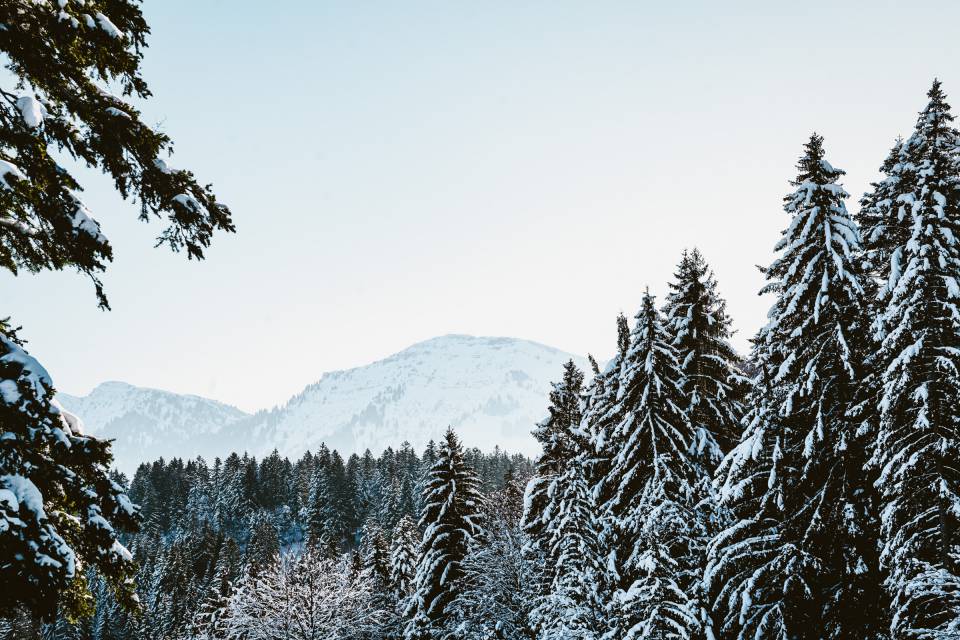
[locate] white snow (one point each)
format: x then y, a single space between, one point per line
109 27
84 223
25 493
31 110
188 201
8 169
117 112
491 390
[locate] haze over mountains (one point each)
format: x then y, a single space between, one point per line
492 390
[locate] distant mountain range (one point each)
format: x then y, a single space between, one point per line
491 390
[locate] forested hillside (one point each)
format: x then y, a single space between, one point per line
223 544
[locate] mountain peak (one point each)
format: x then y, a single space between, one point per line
492 390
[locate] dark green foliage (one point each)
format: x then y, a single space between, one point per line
558 435
59 508
918 444
712 382
656 513
190 562
65 67
800 552
450 520
62 59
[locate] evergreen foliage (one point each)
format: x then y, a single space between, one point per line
918 448
697 319
675 498
561 440
655 527
796 563
450 520
60 512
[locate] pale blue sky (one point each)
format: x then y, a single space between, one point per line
408 169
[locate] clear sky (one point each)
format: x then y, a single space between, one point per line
401 170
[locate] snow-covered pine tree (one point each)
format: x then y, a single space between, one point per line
375 572
450 520
570 608
798 561
496 596
884 222
712 382
884 230
557 436
375 555
918 450
404 551
322 527
58 504
59 509
210 621
263 545
654 531
596 400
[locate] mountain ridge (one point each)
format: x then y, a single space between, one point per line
493 390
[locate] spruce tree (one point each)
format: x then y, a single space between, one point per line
404 551
558 436
885 221
59 509
450 520
799 560
375 555
323 528
495 599
597 422
263 546
571 607
655 529
712 382
918 450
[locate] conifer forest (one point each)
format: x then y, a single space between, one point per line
683 489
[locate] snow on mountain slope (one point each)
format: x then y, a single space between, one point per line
491 390
148 423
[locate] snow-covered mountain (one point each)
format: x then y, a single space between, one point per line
148 423
491 390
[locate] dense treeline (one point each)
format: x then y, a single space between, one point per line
223 543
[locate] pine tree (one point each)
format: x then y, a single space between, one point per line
571 606
558 436
323 528
654 532
697 318
60 510
264 544
451 520
376 557
919 442
404 552
884 222
597 420
210 622
799 562
495 597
